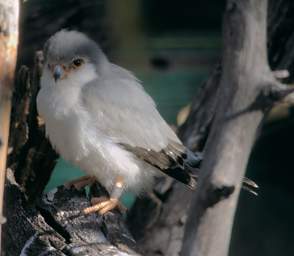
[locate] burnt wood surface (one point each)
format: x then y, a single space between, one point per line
56 226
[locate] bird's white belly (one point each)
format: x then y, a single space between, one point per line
74 136
66 135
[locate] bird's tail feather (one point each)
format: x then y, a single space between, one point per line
193 161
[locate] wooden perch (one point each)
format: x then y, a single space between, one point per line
55 226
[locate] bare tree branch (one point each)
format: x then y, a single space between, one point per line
245 71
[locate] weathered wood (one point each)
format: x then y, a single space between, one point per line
56 226
245 75
157 221
9 14
26 230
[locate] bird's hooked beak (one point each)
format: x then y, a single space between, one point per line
57 72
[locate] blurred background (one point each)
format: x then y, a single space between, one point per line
172 47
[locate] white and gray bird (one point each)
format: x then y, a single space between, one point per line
98 117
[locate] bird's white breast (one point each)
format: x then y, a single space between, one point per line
75 136
65 121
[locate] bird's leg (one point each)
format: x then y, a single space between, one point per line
103 205
80 182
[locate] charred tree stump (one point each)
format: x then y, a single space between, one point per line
56 226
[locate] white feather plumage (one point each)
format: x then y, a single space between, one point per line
90 112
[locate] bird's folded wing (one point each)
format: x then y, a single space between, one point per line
124 113
170 161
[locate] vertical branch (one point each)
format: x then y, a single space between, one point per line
9 13
245 73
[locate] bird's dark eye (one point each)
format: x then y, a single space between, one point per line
78 62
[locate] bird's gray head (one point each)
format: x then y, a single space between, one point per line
71 54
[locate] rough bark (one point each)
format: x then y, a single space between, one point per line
56 226
9 14
53 223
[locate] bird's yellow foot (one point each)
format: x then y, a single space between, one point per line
103 205
80 182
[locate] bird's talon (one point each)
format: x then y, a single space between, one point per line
103 205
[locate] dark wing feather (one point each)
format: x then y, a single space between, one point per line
179 163
172 160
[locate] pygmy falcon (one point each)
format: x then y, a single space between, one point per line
98 117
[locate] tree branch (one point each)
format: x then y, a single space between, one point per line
245 71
